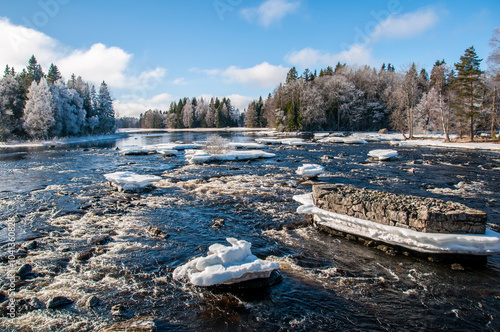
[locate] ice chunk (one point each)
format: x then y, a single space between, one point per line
130 180
225 265
383 154
310 170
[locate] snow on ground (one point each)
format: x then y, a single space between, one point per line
439 243
130 180
200 157
383 154
225 265
310 170
439 143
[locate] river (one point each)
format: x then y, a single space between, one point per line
84 240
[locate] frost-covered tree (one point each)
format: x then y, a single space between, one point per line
39 110
11 105
412 95
188 114
69 113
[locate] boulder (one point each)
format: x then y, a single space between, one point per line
421 214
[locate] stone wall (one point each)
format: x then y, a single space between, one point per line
421 214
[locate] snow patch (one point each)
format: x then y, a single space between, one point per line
310 170
383 154
130 180
225 265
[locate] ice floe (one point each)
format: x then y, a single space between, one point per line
284 141
200 157
383 154
130 180
225 265
436 243
310 170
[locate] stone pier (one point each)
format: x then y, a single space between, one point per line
421 214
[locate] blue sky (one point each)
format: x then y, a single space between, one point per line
154 52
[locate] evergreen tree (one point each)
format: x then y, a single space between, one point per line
292 75
410 87
34 70
469 86
105 110
39 110
11 105
53 75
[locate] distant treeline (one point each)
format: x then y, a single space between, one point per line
461 99
192 113
35 105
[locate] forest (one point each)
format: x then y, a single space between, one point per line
460 99
35 105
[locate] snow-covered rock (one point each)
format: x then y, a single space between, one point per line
247 145
200 157
436 243
383 154
285 141
131 181
225 265
168 153
135 151
310 170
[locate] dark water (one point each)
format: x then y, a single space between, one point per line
59 197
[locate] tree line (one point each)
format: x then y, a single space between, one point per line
193 113
35 105
460 99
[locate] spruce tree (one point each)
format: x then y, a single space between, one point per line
53 75
468 85
39 110
105 110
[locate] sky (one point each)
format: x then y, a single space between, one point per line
151 53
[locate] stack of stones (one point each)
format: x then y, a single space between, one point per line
421 214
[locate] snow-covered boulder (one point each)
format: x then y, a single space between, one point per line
137 151
129 181
310 170
225 265
383 154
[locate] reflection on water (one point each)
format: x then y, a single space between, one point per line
94 241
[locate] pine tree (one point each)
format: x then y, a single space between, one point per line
34 70
39 110
410 87
105 110
53 75
292 75
469 87
11 105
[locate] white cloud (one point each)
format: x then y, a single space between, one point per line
240 102
405 26
133 105
95 64
271 11
309 57
264 74
179 81
394 27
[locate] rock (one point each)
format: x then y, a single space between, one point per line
383 131
29 304
85 255
29 245
92 301
421 214
156 232
24 271
58 301
3 296
217 223
100 240
457 267
138 324
118 310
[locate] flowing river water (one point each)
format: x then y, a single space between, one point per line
112 253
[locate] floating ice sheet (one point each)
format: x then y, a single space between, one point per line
383 154
225 265
130 180
437 243
200 157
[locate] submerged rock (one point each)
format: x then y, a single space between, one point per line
58 301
